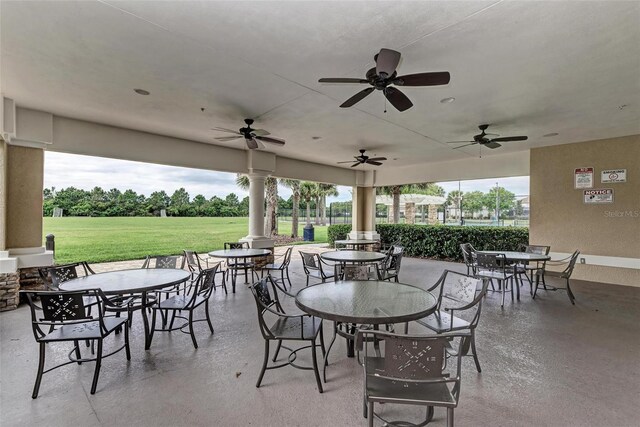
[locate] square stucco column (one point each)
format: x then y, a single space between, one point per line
363 225
24 174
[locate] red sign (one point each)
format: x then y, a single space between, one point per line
583 178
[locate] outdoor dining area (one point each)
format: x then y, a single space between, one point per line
383 337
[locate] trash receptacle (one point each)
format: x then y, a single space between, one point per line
308 233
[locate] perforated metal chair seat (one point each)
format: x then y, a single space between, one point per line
291 328
84 330
498 275
279 266
398 391
179 302
441 321
318 275
389 274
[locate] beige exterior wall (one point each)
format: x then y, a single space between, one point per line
3 195
25 181
363 209
560 218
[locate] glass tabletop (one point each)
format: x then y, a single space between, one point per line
239 253
353 256
128 281
366 302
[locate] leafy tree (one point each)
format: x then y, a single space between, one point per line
473 201
157 201
505 198
179 204
308 194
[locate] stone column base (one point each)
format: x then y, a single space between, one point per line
9 291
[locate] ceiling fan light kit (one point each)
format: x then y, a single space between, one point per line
364 159
384 75
253 137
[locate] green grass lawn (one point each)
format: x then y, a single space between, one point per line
120 239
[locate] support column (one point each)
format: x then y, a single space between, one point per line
256 237
363 224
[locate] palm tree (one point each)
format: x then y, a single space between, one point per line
294 185
394 191
308 193
326 190
271 196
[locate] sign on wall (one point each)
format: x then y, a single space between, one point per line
613 175
583 178
600 195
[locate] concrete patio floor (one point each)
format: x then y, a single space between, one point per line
545 363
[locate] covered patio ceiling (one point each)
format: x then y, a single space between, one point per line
527 68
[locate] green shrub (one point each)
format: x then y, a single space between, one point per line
338 232
443 241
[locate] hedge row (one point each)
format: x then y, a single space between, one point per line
439 241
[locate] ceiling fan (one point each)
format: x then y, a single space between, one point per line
383 75
483 139
362 159
253 137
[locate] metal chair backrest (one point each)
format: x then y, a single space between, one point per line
310 261
59 308
236 245
62 274
266 302
162 261
536 249
412 359
494 262
204 283
572 263
396 258
360 272
467 253
460 295
286 260
193 261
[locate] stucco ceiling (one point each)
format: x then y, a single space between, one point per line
527 68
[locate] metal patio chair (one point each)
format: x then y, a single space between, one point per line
193 262
494 267
280 264
414 370
312 265
534 269
299 327
459 306
468 255
568 263
63 317
188 296
368 271
390 268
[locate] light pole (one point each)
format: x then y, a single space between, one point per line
497 204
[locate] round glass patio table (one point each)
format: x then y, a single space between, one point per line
366 302
135 281
236 254
355 243
352 256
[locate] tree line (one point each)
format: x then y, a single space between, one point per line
476 201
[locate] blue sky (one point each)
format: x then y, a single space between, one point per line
85 172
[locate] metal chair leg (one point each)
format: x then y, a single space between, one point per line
96 373
474 352
449 417
36 387
206 310
314 356
571 297
275 356
78 356
193 336
502 287
370 414
127 349
288 278
264 363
